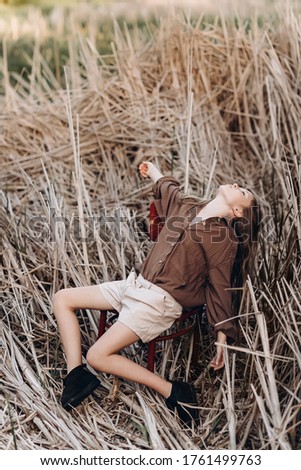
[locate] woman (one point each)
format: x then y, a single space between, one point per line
199 254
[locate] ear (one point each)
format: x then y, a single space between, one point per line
238 212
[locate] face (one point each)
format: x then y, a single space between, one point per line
236 196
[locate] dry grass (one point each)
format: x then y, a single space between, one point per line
70 155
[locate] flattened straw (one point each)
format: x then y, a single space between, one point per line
78 177
150 424
244 89
229 400
248 425
189 117
272 397
212 170
265 418
5 71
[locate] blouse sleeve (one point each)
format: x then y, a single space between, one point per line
219 300
166 192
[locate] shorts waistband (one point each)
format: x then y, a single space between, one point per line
145 283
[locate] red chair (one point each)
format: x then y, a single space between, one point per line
180 326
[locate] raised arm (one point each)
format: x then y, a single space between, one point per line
165 189
149 170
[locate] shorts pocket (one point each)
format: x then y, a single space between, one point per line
147 298
130 281
172 309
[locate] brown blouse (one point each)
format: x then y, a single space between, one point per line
192 261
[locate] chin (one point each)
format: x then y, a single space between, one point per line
222 188
224 192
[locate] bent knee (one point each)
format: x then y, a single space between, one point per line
60 298
97 359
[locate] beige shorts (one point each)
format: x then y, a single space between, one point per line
145 308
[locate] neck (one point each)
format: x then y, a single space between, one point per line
215 208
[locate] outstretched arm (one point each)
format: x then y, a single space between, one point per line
165 189
149 170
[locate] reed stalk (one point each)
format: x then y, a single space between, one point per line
75 212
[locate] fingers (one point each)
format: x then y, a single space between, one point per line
218 362
216 365
143 168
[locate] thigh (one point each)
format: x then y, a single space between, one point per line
85 297
117 337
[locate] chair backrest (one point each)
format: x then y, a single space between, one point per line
155 222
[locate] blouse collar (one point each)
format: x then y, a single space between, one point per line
210 220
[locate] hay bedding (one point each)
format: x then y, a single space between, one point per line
70 156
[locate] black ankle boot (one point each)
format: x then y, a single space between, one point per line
183 398
78 385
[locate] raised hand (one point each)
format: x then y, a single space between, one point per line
144 169
149 170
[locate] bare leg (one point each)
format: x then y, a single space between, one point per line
102 357
65 302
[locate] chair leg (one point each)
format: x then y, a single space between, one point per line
151 355
102 323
